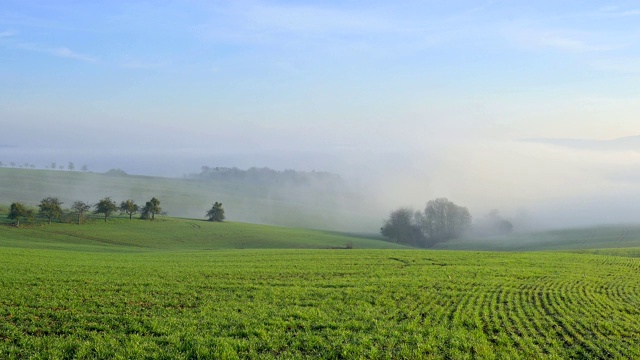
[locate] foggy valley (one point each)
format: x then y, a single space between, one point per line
303 179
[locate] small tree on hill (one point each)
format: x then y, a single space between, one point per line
79 208
18 211
106 207
50 208
129 207
216 213
150 209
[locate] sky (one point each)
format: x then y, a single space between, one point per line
423 98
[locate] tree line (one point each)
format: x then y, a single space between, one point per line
266 176
51 209
53 166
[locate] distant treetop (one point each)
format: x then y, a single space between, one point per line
116 172
265 175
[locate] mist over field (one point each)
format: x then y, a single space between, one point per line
531 109
534 185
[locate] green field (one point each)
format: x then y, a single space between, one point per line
318 304
122 235
618 236
179 288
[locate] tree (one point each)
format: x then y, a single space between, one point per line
18 211
493 224
216 213
71 166
443 220
402 227
150 209
79 208
50 208
106 207
129 207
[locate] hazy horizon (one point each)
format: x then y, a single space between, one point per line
408 102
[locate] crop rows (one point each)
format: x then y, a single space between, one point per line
318 304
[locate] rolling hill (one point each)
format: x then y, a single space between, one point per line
122 235
316 206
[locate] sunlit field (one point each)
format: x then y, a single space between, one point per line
120 302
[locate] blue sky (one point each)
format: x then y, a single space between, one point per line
455 82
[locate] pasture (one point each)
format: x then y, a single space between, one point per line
173 234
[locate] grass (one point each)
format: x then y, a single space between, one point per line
317 304
620 236
173 234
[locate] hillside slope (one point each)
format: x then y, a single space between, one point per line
122 235
294 206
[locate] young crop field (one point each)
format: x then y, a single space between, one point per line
327 303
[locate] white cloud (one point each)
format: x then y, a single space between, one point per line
628 65
615 12
314 19
64 52
142 64
559 39
61 52
7 34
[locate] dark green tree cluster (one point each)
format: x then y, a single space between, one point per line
216 213
150 209
20 211
441 221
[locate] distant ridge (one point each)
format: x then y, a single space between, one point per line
628 143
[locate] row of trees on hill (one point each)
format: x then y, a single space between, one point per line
50 209
53 166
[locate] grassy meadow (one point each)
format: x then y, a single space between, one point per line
172 234
596 237
297 303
